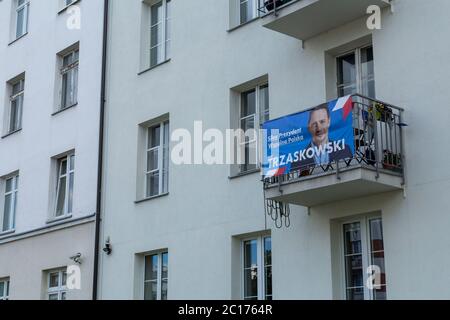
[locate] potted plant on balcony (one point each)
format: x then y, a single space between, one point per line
383 113
270 4
391 161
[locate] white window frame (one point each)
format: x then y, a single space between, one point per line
162 149
19 99
72 72
70 171
159 278
255 13
24 27
364 222
6 288
258 117
358 65
13 205
260 268
61 289
165 25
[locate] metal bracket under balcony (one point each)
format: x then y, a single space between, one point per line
377 165
304 19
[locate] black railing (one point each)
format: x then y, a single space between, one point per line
378 141
267 6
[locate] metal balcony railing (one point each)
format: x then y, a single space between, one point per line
378 142
268 6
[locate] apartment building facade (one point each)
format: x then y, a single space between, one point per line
181 231
50 79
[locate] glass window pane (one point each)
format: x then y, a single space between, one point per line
154 138
64 278
250 254
268 251
156 55
248 103
165 170
54 280
150 291
165 265
247 10
152 184
251 283
63 167
268 282
2 289
53 297
63 296
9 185
380 294
20 27
352 238
347 69
376 235
355 294
264 104
164 289
7 213
354 271
61 197
152 160
247 124
70 200
151 267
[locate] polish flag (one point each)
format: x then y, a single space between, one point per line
345 103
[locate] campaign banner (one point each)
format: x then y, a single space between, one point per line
318 136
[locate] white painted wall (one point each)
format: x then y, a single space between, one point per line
205 209
43 135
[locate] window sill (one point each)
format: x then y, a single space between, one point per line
6 233
66 7
17 39
64 109
11 133
58 219
245 173
152 198
153 67
242 24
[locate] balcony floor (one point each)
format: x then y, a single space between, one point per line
304 19
325 188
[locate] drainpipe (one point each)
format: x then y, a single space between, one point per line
100 152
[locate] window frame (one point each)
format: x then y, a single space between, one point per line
255 13
13 204
70 171
6 289
19 98
70 70
358 67
61 289
24 27
165 22
163 166
261 267
159 278
259 119
366 252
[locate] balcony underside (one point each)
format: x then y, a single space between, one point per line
351 183
304 19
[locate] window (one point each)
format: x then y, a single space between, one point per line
254 111
160 31
64 186
257 268
15 106
21 17
156 276
57 289
4 289
356 73
69 79
157 160
363 247
248 10
10 203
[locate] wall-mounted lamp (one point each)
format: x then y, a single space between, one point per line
76 258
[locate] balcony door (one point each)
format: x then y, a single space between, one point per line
356 72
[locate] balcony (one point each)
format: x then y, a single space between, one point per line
304 19
375 167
